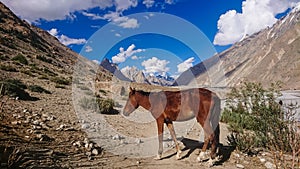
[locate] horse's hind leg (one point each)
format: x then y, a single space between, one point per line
172 132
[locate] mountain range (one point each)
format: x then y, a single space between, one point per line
271 55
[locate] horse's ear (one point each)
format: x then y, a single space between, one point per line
131 89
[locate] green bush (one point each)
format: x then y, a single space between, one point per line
106 106
38 89
21 59
255 118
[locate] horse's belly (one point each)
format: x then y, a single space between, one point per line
184 116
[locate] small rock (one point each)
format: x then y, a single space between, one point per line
36 122
85 126
262 160
138 162
77 143
116 137
16 122
27 137
123 142
239 166
138 141
95 151
43 137
270 165
86 141
25 110
61 127
91 145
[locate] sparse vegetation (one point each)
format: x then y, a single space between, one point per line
8 68
103 92
21 59
257 120
88 103
38 89
106 106
44 59
49 72
61 80
27 72
14 88
4 57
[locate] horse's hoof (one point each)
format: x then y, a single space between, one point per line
158 157
202 157
178 155
210 162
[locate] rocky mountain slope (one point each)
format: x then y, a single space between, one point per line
270 55
38 124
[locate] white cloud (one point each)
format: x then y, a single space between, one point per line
50 10
134 57
53 32
116 18
122 5
124 54
118 35
92 16
148 3
185 65
256 15
65 39
155 65
170 2
88 49
96 61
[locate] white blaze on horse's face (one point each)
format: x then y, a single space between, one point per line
131 103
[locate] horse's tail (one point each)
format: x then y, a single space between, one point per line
215 117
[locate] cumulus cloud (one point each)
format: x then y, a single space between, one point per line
88 49
35 10
122 5
256 15
50 10
124 54
148 3
65 39
185 65
155 65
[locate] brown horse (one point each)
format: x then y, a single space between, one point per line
169 106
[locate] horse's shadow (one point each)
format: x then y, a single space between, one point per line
190 145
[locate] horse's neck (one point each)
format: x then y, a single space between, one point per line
143 101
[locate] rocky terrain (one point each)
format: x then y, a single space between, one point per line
267 56
44 125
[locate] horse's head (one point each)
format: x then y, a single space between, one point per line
131 104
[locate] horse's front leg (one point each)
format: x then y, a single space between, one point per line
160 129
173 135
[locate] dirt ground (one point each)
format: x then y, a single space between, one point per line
49 133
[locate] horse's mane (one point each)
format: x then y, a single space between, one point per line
143 92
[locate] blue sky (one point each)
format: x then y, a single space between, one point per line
156 36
